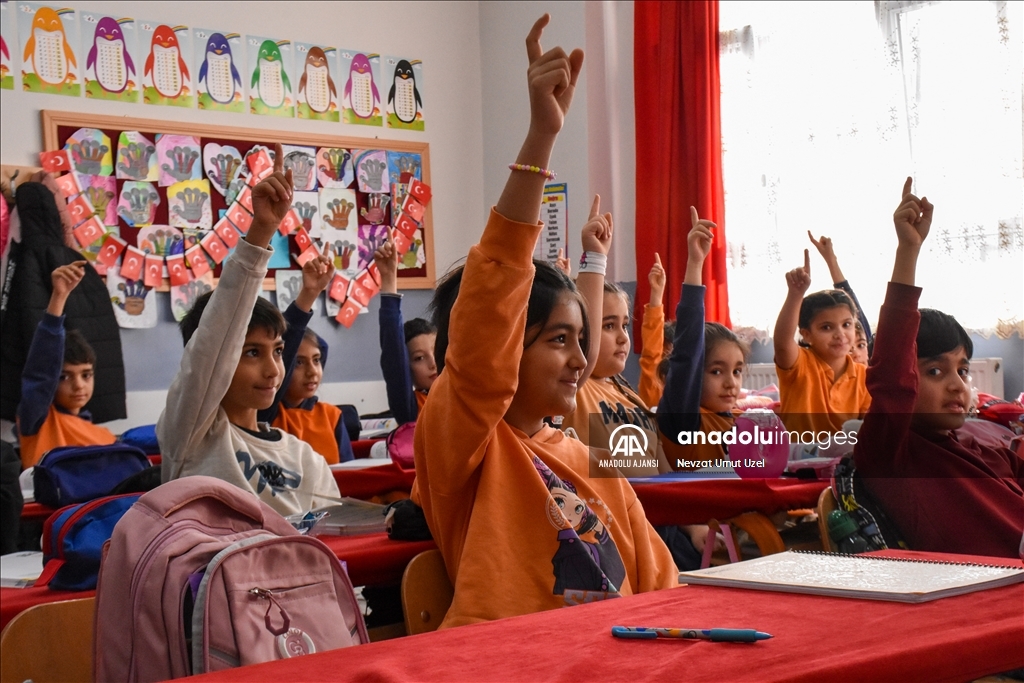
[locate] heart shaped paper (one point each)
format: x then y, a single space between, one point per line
222 164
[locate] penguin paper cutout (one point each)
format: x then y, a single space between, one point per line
270 89
317 94
109 67
166 73
219 83
48 59
361 98
405 99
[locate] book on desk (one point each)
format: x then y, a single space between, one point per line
868 577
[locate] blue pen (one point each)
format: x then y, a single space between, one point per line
720 635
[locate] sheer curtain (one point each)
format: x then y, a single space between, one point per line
827 107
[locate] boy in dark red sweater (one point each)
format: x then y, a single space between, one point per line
944 491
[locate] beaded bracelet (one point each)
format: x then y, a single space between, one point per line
550 175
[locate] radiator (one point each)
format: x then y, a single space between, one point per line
986 373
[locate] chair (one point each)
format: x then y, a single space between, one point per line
826 503
30 643
427 592
761 531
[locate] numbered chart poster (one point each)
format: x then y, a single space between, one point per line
404 100
270 89
360 97
110 47
315 72
221 60
48 60
166 76
6 41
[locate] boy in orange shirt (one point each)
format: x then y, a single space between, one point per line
58 380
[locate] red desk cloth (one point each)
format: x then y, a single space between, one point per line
373 481
695 502
817 638
372 560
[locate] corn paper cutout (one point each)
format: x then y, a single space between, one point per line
136 157
137 204
219 60
371 170
178 157
270 87
222 164
183 297
110 46
334 167
316 92
166 76
360 100
91 152
302 162
134 303
404 100
49 38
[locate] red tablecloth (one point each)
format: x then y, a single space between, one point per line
372 560
817 638
373 481
697 501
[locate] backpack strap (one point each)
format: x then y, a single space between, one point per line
872 523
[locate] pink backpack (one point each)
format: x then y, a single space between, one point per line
201 576
400 445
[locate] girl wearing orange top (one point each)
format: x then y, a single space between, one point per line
487 467
820 385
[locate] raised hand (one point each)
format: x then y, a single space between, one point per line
552 76
698 246
597 233
316 276
64 280
799 279
657 279
271 201
386 258
563 264
912 218
824 247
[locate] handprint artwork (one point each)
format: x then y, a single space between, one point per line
183 297
307 205
101 192
336 207
334 167
177 157
222 164
370 171
414 257
136 157
90 152
404 165
188 205
161 240
370 237
134 303
376 210
302 163
137 203
288 284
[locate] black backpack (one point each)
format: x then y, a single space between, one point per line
872 523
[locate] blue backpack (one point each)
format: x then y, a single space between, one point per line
73 539
75 474
143 437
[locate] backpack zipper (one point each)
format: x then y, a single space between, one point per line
73 518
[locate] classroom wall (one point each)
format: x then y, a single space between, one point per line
445 35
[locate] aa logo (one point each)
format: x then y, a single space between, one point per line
628 441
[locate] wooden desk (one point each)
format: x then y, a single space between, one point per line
816 638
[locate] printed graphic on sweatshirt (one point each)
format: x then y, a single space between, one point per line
587 566
267 475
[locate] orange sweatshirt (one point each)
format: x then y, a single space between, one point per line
521 524
813 400
652 333
318 427
61 429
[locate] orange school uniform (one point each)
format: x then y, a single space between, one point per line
61 429
317 427
812 399
652 333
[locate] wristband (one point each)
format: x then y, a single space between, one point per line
593 262
550 175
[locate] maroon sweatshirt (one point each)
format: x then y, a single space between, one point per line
945 492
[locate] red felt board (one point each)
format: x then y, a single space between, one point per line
59 126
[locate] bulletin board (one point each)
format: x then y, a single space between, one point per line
59 126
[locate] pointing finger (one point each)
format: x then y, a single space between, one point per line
657 259
694 218
807 261
907 185
278 157
595 208
533 48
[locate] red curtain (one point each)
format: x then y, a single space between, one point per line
678 146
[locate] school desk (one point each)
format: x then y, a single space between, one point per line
816 638
372 560
374 481
695 501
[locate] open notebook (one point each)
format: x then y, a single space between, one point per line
857 576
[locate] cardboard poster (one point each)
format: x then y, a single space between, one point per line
404 99
316 92
270 88
49 39
360 98
166 74
110 48
220 61
555 233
